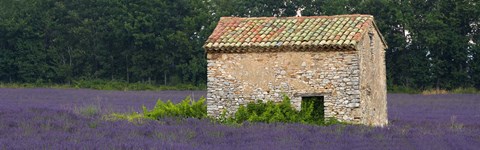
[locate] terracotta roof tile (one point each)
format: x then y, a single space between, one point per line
233 33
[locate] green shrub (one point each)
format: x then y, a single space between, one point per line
267 112
185 109
271 112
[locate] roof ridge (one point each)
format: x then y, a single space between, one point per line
305 17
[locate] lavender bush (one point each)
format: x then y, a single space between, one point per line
72 119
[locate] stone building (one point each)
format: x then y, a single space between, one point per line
339 60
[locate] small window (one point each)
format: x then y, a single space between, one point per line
317 102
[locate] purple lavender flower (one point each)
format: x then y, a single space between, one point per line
72 119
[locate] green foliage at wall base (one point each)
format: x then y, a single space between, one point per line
271 112
268 112
188 108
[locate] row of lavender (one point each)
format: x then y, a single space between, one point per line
60 119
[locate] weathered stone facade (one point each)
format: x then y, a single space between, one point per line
351 79
373 79
235 79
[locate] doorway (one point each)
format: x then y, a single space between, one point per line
317 102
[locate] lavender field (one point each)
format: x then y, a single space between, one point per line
72 119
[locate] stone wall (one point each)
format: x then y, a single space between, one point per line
235 79
373 79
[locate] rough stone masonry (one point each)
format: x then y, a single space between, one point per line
338 57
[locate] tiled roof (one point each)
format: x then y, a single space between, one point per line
238 34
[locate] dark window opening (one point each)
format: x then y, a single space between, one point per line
317 102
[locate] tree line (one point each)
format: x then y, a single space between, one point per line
432 43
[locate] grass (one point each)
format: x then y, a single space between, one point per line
140 86
89 111
454 123
469 90
402 89
106 85
133 117
433 91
